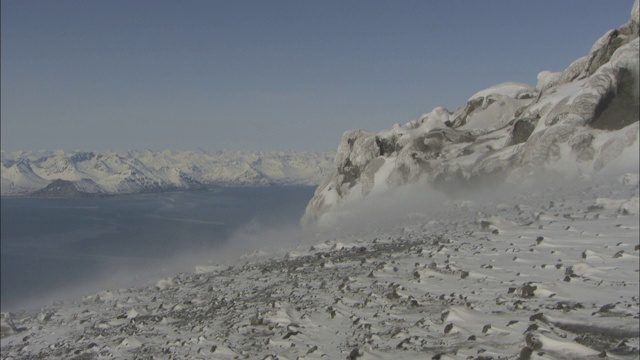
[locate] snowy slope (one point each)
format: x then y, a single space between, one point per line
577 123
18 177
147 171
537 274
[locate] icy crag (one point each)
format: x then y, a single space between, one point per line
578 122
542 275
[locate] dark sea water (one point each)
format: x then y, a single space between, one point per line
56 247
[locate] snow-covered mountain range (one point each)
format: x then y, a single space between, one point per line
64 174
578 122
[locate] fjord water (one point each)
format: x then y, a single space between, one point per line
53 247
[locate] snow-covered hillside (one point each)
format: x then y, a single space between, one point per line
129 172
574 123
537 274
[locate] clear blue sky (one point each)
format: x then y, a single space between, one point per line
266 75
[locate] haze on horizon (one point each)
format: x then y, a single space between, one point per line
258 75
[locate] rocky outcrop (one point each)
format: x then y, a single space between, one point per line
572 123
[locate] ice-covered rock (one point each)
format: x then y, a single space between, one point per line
576 123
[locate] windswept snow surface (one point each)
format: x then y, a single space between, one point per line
537 274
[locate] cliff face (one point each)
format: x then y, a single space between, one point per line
578 122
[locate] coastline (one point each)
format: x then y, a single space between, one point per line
550 274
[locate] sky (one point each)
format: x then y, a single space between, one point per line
266 75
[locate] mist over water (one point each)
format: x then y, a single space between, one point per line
61 249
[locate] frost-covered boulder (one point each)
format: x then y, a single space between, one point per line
575 123
494 107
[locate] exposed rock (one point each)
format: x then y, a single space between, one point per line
68 189
603 49
522 129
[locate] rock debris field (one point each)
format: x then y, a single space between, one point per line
548 274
